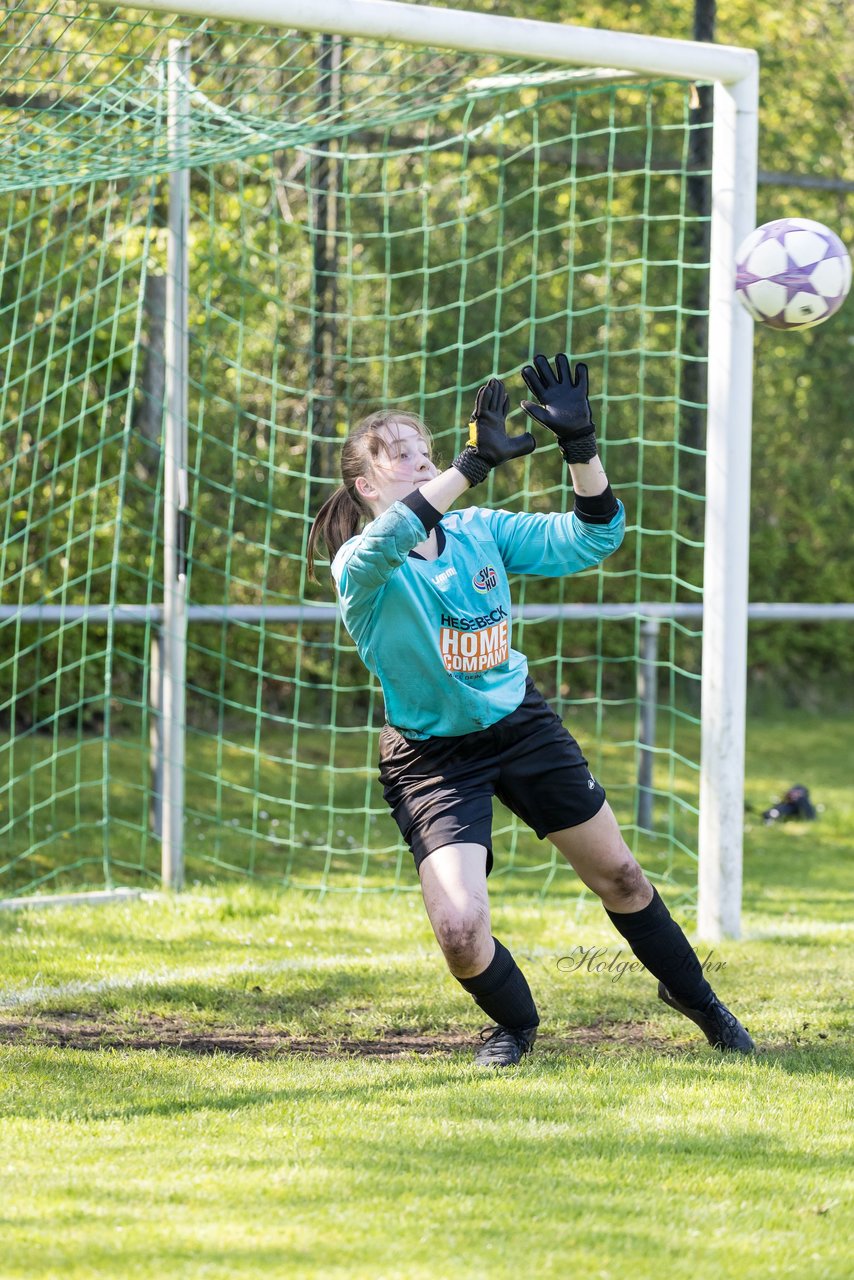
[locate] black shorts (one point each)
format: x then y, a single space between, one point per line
440 790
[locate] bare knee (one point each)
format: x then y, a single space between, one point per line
624 886
466 943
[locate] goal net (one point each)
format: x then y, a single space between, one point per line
369 223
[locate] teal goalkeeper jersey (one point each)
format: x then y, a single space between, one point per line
438 634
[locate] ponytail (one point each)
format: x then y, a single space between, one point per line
336 522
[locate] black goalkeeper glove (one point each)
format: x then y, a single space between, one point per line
565 407
488 443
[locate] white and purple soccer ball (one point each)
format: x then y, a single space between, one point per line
792 273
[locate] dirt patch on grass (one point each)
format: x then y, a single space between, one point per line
81 1031
70 1031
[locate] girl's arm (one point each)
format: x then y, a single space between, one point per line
588 478
554 545
365 563
444 489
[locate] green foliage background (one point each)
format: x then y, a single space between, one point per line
251 325
802 457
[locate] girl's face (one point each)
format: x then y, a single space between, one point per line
402 467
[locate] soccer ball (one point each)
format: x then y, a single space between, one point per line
792 273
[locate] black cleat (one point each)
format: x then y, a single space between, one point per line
503 1047
721 1028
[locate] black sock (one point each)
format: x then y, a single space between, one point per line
502 992
659 943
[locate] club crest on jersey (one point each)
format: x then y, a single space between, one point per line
485 579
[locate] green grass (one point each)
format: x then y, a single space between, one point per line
622 1146
155 1165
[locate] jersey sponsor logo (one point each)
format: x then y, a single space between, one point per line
474 650
442 578
485 579
474 624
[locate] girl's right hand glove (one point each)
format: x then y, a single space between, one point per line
489 444
565 408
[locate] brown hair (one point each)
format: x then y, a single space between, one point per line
342 513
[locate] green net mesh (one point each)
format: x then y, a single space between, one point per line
370 225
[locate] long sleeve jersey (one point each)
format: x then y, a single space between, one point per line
438 633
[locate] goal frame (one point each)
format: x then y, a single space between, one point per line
734 73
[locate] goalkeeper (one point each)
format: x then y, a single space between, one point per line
424 595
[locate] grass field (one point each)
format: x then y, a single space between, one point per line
242 1083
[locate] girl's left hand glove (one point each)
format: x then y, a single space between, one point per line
489 444
565 408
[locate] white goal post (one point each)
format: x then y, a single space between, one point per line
735 74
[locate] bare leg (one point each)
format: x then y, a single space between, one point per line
603 860
453 885
453 882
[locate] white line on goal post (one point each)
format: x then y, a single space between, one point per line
735 73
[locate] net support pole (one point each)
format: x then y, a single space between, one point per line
725 578
175 489
647 684
155 733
